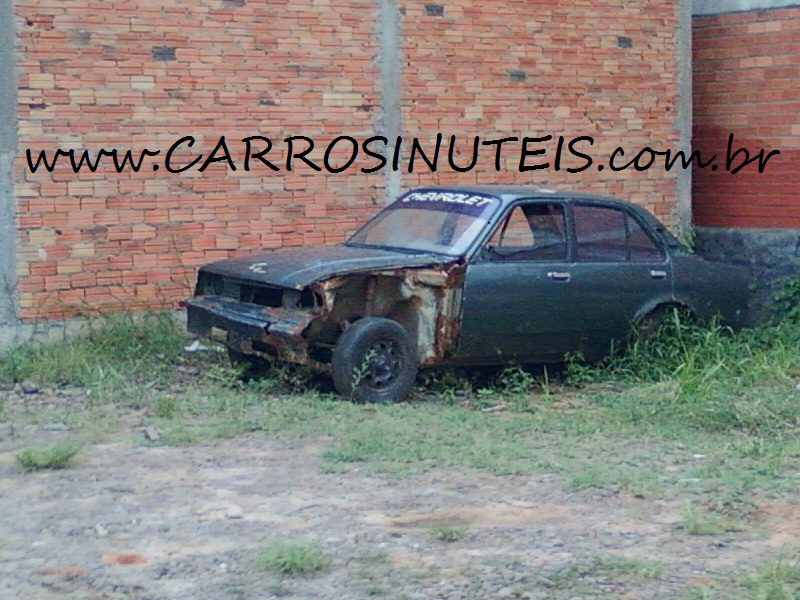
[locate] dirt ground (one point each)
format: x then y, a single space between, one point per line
138 521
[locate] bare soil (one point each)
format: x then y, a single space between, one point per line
155 522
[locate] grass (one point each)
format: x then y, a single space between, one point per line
58 456
688 392
776 579
166 407
582 578
374 574
292 558
707 377
631 424
779 579
116 351
449 532
634 568
695 521
696 414
634 481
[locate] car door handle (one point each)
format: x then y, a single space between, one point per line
559 275
656 274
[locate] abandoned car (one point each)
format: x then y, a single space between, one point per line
466 276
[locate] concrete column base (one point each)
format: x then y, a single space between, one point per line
771 255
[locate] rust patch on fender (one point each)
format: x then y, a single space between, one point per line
426 301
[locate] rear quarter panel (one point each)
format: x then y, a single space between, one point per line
712 288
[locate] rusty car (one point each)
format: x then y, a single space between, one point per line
460 276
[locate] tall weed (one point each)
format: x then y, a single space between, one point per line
115 348
708 376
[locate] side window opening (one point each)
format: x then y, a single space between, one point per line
533 232
516 231
605 234
642 247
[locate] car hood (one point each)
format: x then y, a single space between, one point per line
298 267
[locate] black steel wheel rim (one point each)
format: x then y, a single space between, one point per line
384 364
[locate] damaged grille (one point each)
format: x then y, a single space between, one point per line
261 295
216 285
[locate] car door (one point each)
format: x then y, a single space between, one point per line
619 270
517 289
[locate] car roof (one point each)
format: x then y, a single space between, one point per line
507 194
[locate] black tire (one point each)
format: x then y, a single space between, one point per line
374 361
252 366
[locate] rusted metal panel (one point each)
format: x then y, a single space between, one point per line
288 321
279 329
427 301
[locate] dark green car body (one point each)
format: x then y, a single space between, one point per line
589 269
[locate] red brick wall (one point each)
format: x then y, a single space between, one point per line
747 81
89 78
578 81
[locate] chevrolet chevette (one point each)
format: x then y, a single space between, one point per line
461 276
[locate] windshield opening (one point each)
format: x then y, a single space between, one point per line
438 222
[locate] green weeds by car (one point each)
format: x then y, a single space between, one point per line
292 558
688 391
697 414
57 456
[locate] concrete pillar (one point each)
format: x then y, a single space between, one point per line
8 149
683 119
388 32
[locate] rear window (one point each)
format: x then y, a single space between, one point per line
606 234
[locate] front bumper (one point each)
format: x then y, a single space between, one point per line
252 329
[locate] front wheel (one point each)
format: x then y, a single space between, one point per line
374 361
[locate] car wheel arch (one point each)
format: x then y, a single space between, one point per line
654 308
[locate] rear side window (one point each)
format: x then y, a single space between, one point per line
641 246
606 234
